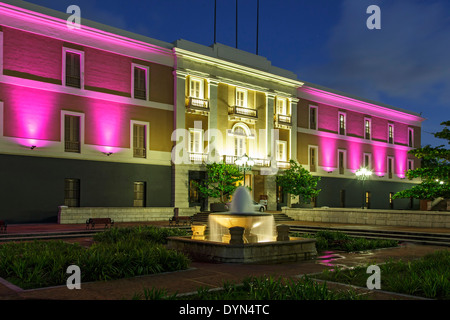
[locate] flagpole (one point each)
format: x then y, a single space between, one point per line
215 19
257 27
236 24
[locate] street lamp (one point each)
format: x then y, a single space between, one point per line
363 174
244 163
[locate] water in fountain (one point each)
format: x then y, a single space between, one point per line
259 227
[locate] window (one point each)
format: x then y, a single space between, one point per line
342 198
391 200
367 128
139 194
313 117
410 164
281 150
195 141
140 82
281 106
240 142
391 133
410 137
196 88
367 198
341 161
139 140
390 167
341 123
72 192
73 68
71 133
367 160
312 159
241 97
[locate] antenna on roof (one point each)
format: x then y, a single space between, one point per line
236 24
215 19
257 27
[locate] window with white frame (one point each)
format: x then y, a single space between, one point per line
341 161
313 158
139 81
281 106
73 68
139 136
342 122
390 133
196 88
241 97
72 131
390 167
410 137
367 161
313 117
195 140
281 151
410 164
367 128
240 142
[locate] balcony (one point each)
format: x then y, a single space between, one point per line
197 105
242 114
258 162
198 157
283 121
283 164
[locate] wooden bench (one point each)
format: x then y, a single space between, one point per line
3 226
91 222
177 219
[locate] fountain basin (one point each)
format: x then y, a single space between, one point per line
296 249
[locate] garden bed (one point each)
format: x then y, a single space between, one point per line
116 253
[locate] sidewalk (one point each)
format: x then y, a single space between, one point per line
209 275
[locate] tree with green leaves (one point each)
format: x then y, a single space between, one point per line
297 181
434 172
221 181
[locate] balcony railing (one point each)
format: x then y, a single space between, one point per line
258 162
198 104
198 157
244 112
284 119
139 152
283 164
71 146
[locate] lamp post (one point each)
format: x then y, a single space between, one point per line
363 174
244 163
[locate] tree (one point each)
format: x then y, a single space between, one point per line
298 181
221 181
435 170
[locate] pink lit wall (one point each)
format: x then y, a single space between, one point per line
108 71
32 54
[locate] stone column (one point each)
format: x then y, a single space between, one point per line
237 235
215 143
270 105
283 232
180 173
293 142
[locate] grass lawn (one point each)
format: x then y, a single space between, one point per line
426 277
116 253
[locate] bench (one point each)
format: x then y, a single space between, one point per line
91 222
177 219
3 226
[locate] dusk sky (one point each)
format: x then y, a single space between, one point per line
405 64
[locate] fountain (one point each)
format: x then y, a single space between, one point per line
243 236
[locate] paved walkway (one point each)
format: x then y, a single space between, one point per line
208 275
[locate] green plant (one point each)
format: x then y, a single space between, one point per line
297 181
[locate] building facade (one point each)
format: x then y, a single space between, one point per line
99 117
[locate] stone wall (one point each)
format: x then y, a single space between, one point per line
71 215
405 218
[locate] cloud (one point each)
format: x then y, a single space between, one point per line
407 58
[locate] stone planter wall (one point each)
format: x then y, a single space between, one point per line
406 218
72 215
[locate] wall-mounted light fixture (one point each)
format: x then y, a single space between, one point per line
32 147
108 153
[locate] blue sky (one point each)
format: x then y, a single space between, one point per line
405 64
